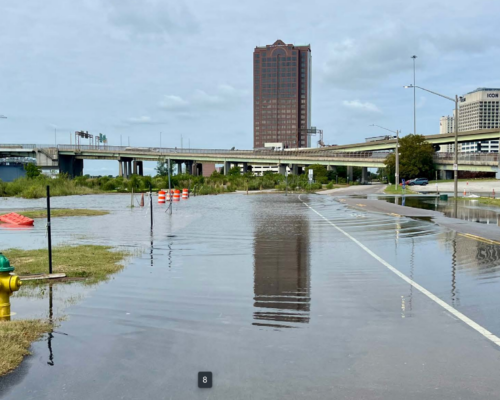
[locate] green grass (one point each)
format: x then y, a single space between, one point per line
15 340
390 190
462 180
62 212
37 188
92 262
482 200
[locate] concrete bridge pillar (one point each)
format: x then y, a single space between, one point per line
129 168
134 167
282 169
295 169
227 167
120 168
189 167
364 174
141 168
198 169
70 165
245 167
443 174
350 174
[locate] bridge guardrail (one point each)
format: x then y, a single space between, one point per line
264 153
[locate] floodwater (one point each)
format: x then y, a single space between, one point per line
268 295
467 210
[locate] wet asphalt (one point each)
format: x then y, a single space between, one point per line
277 303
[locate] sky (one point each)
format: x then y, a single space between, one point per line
132 69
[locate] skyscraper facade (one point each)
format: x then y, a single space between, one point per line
282 95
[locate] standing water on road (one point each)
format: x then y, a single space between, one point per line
271 294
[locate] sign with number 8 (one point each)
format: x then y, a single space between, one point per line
204 380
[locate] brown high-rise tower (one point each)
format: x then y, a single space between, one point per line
282 95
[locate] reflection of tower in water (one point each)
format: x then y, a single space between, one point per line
281 270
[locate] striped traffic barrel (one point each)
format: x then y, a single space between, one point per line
168 195
161 197
185 194
177 195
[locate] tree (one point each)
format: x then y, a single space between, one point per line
161 168
32 170
416 159
235 171
320 173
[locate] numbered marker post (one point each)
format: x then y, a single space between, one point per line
204 380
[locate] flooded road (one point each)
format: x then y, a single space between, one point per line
467 210
267 293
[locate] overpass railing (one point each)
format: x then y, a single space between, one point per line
466 157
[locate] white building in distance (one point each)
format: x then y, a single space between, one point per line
479 109
447 125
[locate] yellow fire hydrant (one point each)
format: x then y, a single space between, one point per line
8 285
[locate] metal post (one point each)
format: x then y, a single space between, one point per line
414 100
286 180
169 187
455 167
49 234
151 205
397 160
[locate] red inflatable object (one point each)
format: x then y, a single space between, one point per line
16 219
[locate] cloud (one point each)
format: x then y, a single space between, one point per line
356 104
152 18
171 102
224 97
370 58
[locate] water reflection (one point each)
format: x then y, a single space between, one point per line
281 270
51 333
468 210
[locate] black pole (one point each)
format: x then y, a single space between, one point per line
48 229
151 205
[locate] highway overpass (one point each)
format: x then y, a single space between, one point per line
443 138
69 158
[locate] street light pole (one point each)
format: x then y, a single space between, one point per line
397 154
455 163
397 161
414 99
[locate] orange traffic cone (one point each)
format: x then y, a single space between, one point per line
142 200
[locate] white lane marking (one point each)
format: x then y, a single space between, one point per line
483 331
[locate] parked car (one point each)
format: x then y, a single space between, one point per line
419 181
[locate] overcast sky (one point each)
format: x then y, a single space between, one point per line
137 68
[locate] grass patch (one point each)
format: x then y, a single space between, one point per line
16 338
62 212
92 262
463 180
399 190
482 200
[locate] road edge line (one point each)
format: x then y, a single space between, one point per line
474 325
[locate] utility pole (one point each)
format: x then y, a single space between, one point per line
414 100
455 166
397 159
